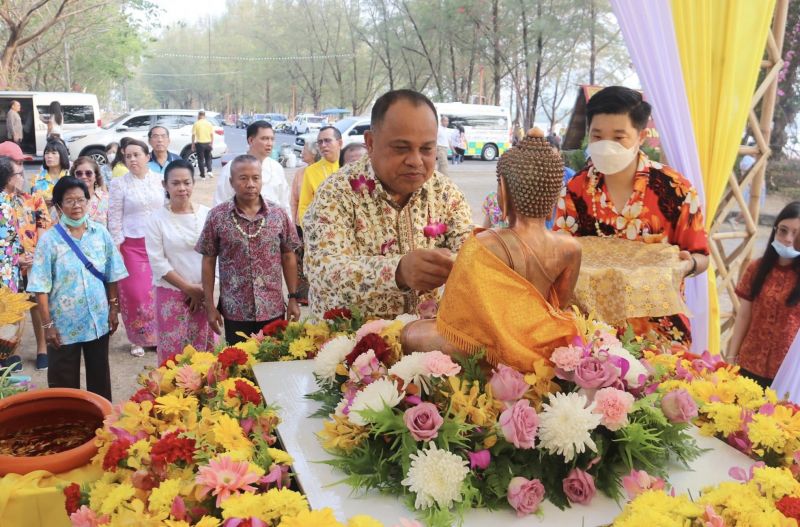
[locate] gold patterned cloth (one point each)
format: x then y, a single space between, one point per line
488 305
622 279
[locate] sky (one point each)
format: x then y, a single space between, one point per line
189 10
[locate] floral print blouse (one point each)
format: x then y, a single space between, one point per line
10 243
355 236
44 183
98 207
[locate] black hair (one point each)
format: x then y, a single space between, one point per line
174 165
255 126
119 157
68 183
336 133
619 100
56 113
150 131
140 144
7 168
770 258
244 158
347 148
86 160
63 153
386 100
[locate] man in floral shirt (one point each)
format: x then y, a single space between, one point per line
382 232
255 241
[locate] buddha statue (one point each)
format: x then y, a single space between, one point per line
507 285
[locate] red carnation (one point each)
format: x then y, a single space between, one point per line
275 327
245 392
142 395
338 312
171 448
231 356
370 341
116 453
170 358
789 507
72 493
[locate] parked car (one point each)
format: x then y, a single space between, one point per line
305 122
80 110
137 124
352 129
275 118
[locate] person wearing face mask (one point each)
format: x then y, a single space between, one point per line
769 302
622 193
74 276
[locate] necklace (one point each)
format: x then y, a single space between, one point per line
592 193
189 237
242 231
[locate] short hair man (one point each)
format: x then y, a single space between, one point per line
255 243
160 156
329 143
443 137
274 186
203 143
14 123
381 232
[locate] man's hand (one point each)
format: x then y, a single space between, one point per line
195 294
214 319
690 265
424 269
293 310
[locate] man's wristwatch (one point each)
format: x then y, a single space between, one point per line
296 296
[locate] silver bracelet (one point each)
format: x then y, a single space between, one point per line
49 325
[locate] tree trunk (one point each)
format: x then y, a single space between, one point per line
592 43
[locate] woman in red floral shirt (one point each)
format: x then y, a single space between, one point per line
769 292
622 193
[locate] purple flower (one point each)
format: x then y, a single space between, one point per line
678 406
361 184
519 424
423 421
525 495
434 229
592 373
579 486
479 459
508 385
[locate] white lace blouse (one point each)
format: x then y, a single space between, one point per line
131 202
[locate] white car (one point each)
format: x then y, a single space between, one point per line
306 122
352 129
136 124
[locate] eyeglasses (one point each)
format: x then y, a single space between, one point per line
324 141
75 201
84 173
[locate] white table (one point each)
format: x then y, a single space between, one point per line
286 383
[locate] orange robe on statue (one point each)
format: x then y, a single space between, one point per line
487 305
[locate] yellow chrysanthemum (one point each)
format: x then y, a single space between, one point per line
765 433
243 505
135 417
13 306
302 347
724 418
776 483
654 507
207 521
321 518
176 523
280 456
161 497
743 504
99 492
176 406
283 502
748 392
341 435
667 361
789 420
202 361
320 331
229 435
138 452
133 514
118 495
362 520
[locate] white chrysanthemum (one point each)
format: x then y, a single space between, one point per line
566 423
435 477
405 318
635 367
330 356
375 396
411 368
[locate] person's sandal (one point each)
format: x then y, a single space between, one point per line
137 351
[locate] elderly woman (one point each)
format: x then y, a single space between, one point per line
87 170
74 275
171 235
134 197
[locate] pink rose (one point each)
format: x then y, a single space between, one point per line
613 405
423 421
593 373
439 364
508 385
479 459
678 406
639 481
525 495
579 486
373 326
566 358
519 424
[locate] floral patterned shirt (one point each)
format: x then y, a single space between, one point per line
34 218
44 183
10 243
356 238
98 207
77 298
250 270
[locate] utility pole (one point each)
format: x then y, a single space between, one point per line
208 84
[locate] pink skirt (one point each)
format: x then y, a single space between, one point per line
178 327
136 294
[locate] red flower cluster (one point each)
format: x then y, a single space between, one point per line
72 503
245 392
116 453
338 312
170 358
274 327
231 356
142 395
789 507
370 341
170 448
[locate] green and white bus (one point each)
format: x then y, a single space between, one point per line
487 128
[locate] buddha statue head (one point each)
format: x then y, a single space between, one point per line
529 177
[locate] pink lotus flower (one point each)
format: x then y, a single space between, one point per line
361 185
639 481
479 459
740 474
434 229
86 517
613 405
188 379
223 477
439 364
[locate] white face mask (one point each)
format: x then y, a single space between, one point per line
784 251
610 157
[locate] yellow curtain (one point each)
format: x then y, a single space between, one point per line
721 44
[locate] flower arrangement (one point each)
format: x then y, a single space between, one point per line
448 435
